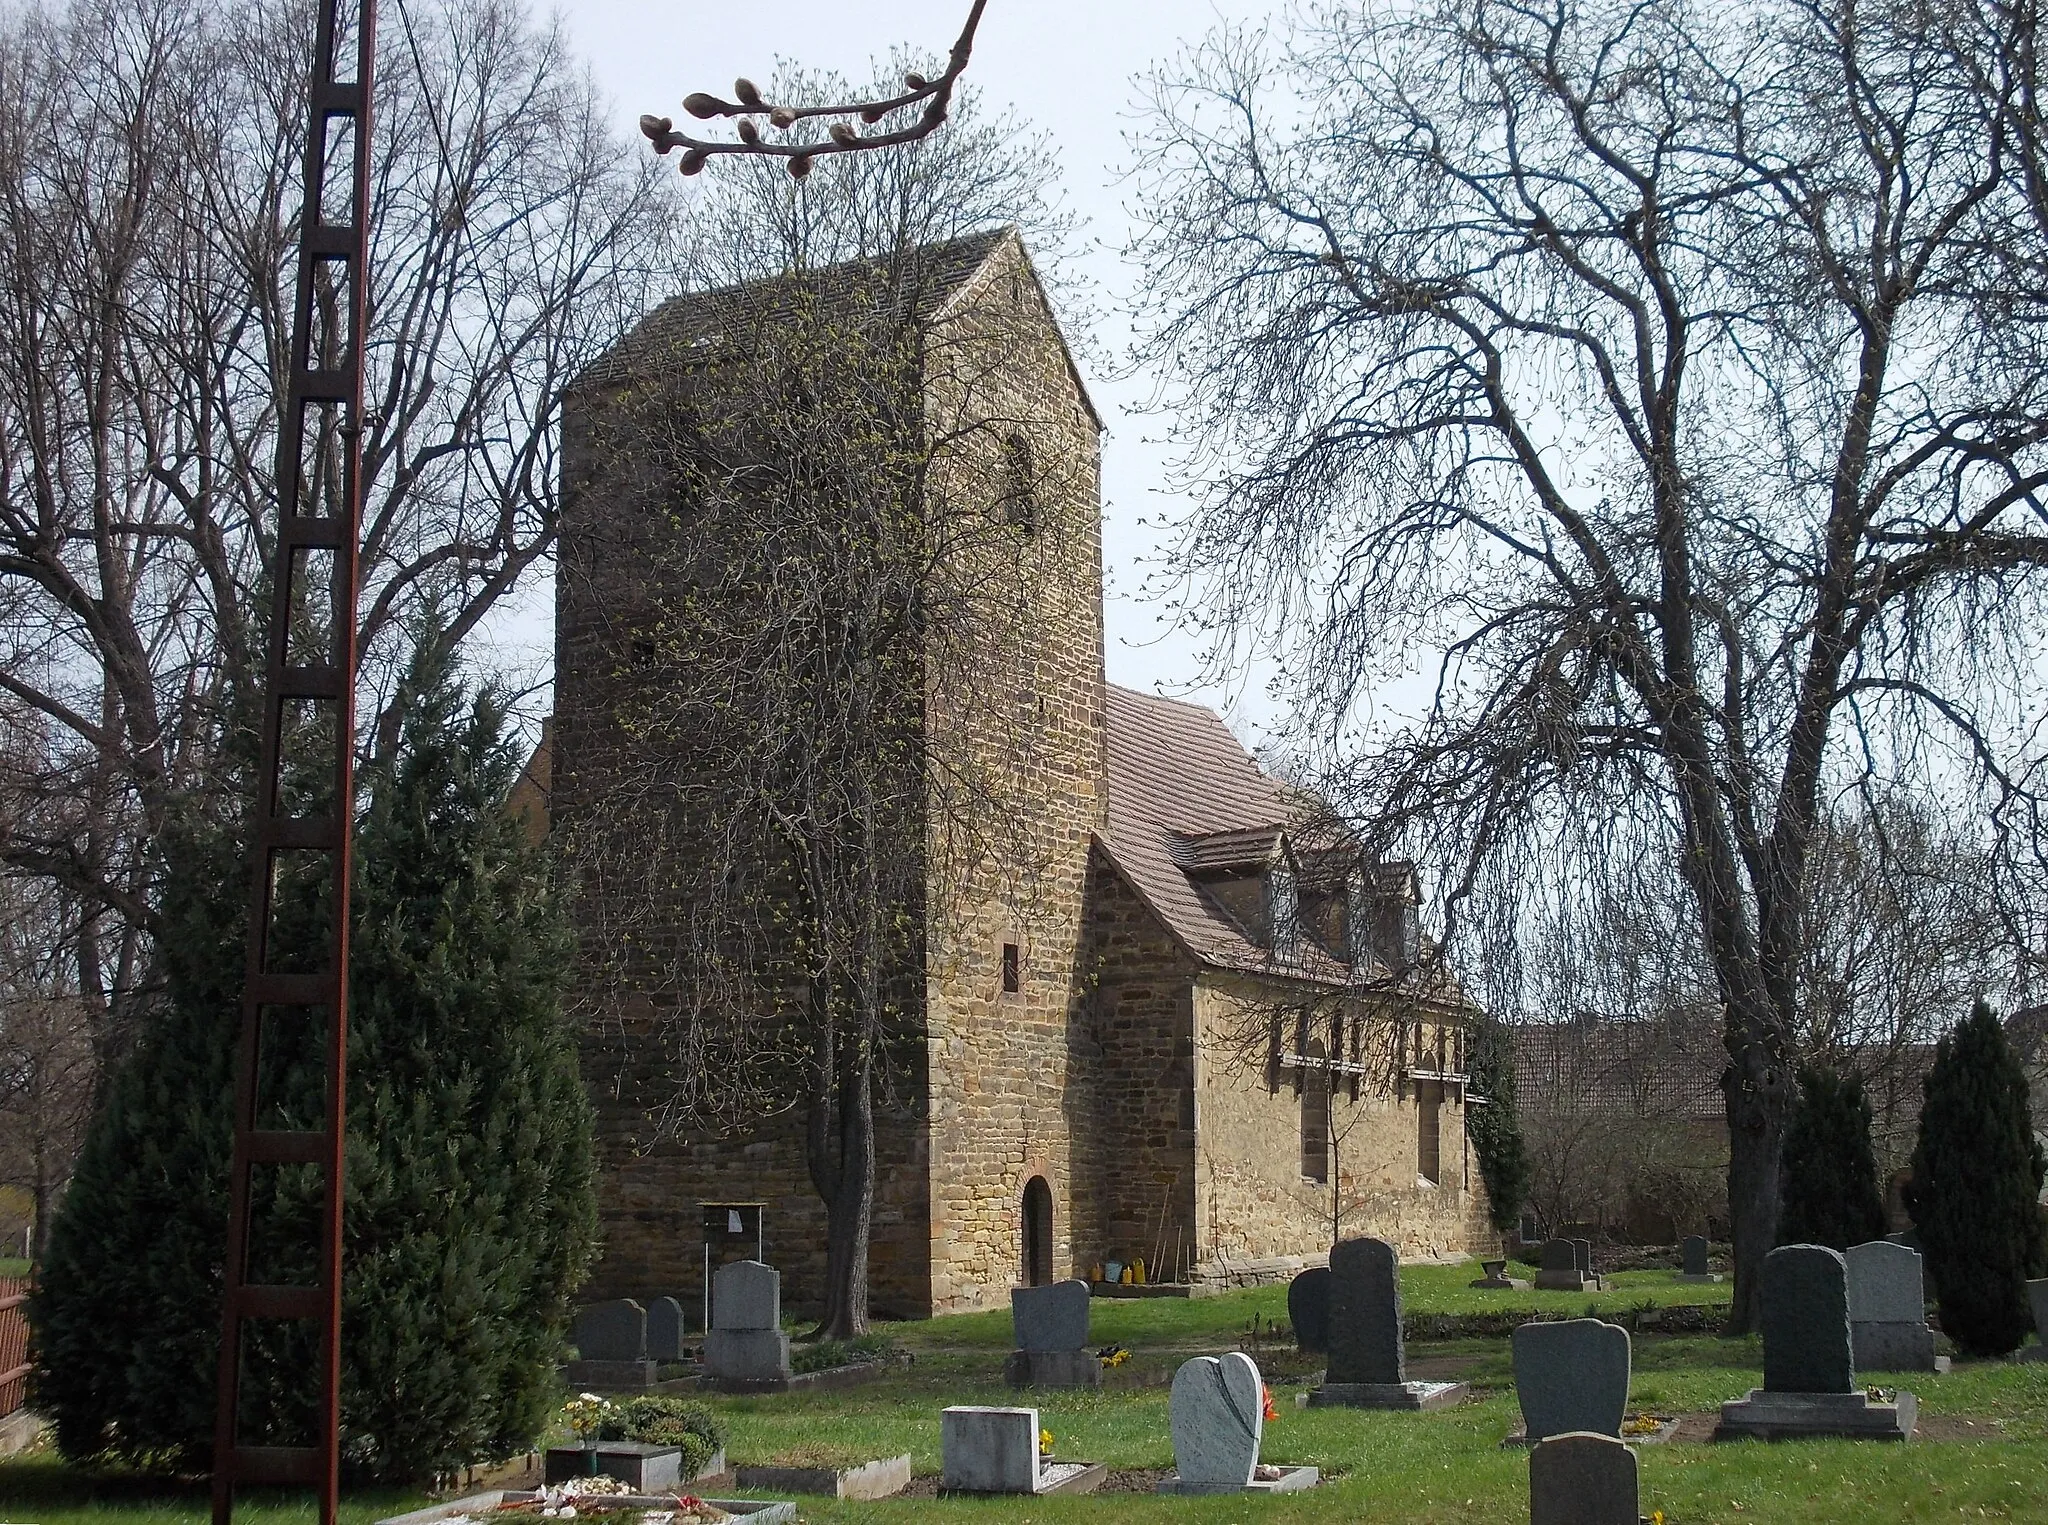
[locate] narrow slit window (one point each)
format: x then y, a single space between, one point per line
1011 972
1315 1115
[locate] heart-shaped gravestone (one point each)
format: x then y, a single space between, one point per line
1217 1414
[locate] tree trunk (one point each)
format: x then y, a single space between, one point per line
1758 1087
849 1209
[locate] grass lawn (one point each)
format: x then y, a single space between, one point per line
1438 1467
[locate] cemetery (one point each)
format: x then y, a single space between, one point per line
1218 1400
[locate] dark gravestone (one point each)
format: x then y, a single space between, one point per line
1559 1255
1365 1314
664 1329
1583 1480
613 1331
1806 1321
1308 1309
1696 1255
1582 1249
1571 1376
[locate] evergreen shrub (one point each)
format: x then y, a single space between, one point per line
1495 1128
469 1215
1977 1174
1831 1194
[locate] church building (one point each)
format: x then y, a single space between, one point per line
1172 1014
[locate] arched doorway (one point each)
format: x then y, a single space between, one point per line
1037 1232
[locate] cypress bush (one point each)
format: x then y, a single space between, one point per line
1495 1129
1831 1195
469 1215
1977 1174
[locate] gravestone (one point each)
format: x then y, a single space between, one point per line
1695 1262
1571 1377
1583 1479
1367 1365
745 1349
2037 1294
1558 1270
1809 1366
1888 1310
1806 1321
1496 1278
611 1347
1582 1251
1217 1413
989 1450
995 1450
664 1329
1050 1326
1308 1309
1050 1318
613 1331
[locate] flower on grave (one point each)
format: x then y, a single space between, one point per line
1266 1393
1656 1517
1112 1355
585 1414
1045 1442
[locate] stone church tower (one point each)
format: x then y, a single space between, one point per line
1156 1014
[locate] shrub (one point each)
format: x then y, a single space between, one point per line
1495 1128
469 1215
659 1421
1830 1170
1977 1174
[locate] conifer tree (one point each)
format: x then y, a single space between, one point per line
1831 1194
1977 1173
469 1213
1495 1128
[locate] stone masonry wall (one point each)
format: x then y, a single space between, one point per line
1140 1140
1254 1204
1015 711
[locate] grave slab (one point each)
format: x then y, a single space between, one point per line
753 1511
747 1355
645 1468
1284 1480
1059 1369
1583 1479
1410 1396
1767 1415
609 1376
878 1479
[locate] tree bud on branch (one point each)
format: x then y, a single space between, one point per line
842 133
800 165
749 133
703 106
783 117
915 80
749 94
693 161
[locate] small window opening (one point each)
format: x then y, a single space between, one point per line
1019 485
1010 970
1315 1114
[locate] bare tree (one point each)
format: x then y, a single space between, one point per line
1672 374
148 216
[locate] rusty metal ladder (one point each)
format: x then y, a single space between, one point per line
307 675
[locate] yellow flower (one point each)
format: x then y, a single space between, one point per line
1045 1442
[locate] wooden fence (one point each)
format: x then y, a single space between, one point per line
13 1343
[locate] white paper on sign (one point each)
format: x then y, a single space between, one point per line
732 1223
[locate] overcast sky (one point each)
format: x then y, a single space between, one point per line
1067 66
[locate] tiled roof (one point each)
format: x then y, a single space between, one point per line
1630 1066
1186 798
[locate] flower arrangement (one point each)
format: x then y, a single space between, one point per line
1045 1442
585 1414
1642 1424
1112 1355
1266 1393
